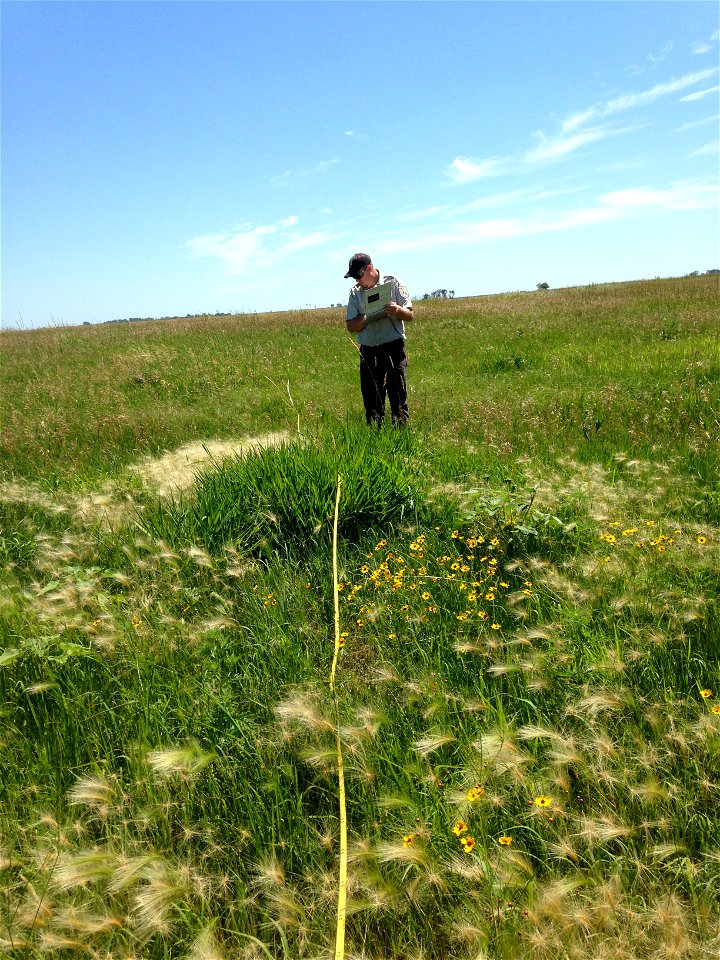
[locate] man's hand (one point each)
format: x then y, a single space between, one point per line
395 310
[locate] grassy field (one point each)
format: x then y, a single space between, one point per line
525 630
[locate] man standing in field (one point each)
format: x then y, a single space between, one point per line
381 339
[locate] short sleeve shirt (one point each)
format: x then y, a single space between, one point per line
384 329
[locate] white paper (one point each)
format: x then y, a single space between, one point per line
376 300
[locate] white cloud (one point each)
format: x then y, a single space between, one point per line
615 206
707 150
412 215
700 123
577 120
248 246
659 57
465 169
629 101
680 196
484 231
551 147
511 197
706 46
575 132
319 168
699 94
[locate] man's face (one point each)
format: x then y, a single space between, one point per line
369 277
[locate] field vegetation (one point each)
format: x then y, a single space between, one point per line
518 593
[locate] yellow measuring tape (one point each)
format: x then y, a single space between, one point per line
342 885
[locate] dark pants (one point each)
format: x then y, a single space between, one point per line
382 371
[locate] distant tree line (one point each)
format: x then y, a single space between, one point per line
188 316
439 295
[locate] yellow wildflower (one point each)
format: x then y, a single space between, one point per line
467 843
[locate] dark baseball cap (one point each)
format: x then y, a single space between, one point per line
357 262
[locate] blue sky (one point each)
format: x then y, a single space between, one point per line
166 158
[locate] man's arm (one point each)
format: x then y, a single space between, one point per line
357 323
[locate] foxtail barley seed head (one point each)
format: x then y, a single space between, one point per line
564 850
185 761
131 870
83 869
538 732
93 792
433 741
154 900
303 711
361 851
603 831
553 901
201 557
34 910
668 851
400 852
50 942
40 687
205 947
602 701
269 872
76 920
649 792
500 754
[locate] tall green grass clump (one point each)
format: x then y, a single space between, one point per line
282 499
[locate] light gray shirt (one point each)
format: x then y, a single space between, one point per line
384 329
